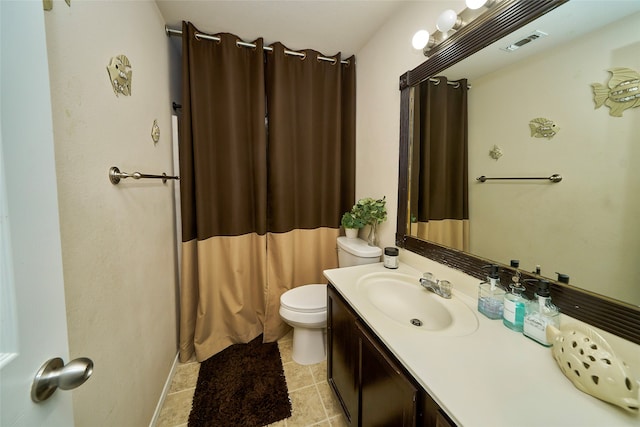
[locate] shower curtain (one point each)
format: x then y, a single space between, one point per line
267 162
440 173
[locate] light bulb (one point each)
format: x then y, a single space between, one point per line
446 20
475 4
420 39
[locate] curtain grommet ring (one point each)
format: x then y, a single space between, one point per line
304 56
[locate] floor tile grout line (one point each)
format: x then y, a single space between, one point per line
324 407
301 388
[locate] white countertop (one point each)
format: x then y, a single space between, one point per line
491 377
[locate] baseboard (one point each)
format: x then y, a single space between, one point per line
165 391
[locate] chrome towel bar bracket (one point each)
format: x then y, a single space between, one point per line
553 178
115 176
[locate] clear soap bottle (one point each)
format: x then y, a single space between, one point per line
491 294
515 303
540 314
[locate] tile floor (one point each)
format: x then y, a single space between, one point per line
311 397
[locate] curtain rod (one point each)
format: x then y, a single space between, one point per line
171 32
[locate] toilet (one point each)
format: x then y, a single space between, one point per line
305 307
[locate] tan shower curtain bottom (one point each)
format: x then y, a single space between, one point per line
296 258
222 296
225 300
453 233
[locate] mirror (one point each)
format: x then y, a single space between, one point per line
548 213
585 225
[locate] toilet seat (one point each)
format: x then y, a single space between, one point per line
305 299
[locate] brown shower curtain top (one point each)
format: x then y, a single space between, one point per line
441 185
311 180
267 160
222 183
443 149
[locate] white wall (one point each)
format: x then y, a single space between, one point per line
379 66
118 245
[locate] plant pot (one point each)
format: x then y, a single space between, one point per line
372 238
351 233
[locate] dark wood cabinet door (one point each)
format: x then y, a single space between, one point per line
342 354
433 415
388 398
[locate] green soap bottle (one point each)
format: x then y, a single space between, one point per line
515 303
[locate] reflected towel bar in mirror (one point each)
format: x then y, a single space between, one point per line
553 178
115 176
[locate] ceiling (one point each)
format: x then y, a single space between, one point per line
328 26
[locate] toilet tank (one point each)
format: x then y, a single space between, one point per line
356 252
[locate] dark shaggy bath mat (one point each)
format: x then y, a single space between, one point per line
243 385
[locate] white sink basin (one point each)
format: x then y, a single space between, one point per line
402 299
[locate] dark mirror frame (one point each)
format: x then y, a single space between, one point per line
506 16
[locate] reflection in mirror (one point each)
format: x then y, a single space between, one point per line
439 182
585 226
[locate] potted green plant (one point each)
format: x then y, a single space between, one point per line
372 212
351 223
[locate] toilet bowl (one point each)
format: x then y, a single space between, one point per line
305 307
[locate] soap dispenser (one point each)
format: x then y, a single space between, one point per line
491 294
515 303
540 314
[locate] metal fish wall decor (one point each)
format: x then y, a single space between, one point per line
495 153
119 70
543 128
621 93
155 131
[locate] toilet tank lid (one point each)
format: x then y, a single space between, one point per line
358 247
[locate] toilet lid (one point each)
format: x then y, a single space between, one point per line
306 299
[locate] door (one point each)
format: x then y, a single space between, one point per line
32 308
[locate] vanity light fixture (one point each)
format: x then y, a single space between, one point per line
421 39
477 4
448 20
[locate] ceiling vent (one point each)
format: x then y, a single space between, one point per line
531 37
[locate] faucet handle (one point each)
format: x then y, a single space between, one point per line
445 288
429 276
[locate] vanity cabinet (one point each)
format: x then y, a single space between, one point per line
370 383
343 354
387 396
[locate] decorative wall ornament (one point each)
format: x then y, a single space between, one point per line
590 363
622 91
155 131
495 153
119 70
543 128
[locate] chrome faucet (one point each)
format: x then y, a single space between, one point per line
438 287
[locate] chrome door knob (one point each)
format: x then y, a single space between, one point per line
55 374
